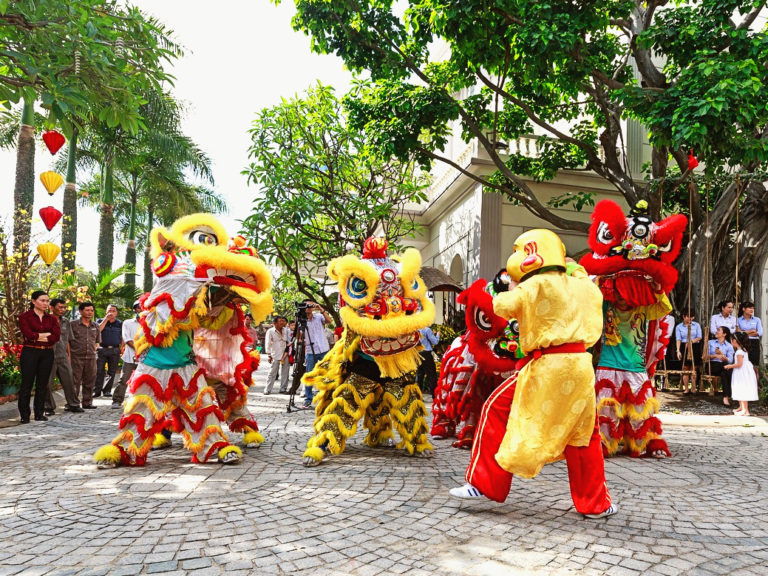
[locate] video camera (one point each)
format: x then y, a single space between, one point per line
301 311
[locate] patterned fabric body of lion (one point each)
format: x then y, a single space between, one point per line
475 364
194 271
370 372
220 349
632 260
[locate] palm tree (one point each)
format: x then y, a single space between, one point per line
147 173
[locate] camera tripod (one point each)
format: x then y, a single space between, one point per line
299 362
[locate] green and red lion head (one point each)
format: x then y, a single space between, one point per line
633 255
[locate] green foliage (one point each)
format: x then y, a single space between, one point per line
573 71
102 289
81 54
321 193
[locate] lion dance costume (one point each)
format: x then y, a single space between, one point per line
546 410
370 372
195 270
632 260
473 366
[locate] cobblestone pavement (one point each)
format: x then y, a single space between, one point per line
371 511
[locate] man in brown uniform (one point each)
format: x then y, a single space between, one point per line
61 365
82 346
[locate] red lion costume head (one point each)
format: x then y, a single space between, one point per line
492 340
632 254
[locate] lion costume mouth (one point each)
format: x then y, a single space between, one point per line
388 346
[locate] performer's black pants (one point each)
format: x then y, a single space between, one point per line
426 376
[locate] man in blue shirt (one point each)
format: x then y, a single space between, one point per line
426 375
108 353
688 331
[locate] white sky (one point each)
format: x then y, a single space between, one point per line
240 56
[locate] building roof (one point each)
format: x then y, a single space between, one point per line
438 281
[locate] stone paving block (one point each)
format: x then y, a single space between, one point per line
194 563
155 567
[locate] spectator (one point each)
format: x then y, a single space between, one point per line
426 375
40 332
725 318
108 353
82 347
253 334
131 327
61 364
719 353
276 344
688 331
743 381
750 324
315 343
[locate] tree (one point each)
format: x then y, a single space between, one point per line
574 72
76 58
320 195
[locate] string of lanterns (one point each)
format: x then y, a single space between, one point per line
52 181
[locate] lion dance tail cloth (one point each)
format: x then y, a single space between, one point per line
221 350
370 373
632 260
474 366
194 273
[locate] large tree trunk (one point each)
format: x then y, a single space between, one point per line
130 251
107 221
147 248
69 223
707 249
24 189
751 243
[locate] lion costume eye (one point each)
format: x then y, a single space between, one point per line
482 321
357 288
203 238
604 235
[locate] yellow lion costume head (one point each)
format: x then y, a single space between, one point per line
229 263
384 304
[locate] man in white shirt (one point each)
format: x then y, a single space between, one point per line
276 344
315 343
130 329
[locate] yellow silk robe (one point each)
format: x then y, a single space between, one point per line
554 403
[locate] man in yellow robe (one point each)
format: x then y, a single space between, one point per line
552 411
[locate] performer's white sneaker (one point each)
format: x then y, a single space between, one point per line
612 509
467 491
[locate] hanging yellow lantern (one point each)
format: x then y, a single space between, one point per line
52 181
48 252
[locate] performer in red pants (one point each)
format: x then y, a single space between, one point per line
586 471
545 412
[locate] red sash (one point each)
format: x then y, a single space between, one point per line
569 348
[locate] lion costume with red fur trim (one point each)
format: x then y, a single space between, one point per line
632 259
473 366
221 349
198 275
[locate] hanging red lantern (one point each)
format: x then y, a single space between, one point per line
54 140
692 162
50 216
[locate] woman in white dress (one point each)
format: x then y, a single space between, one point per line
743 380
